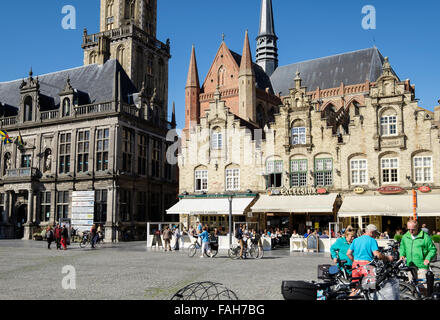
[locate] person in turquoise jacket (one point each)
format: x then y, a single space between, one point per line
417 248
341 247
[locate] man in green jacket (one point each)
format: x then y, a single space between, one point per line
418 248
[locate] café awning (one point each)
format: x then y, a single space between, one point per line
390 205
210 206
296 204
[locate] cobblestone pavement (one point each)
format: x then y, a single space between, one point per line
128 271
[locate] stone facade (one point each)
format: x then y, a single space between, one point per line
89 129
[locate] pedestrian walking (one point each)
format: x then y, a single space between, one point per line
57 235
93 236
417 248
167 235
179 239
64 236
205 242
49 236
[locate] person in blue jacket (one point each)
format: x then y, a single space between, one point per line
341 247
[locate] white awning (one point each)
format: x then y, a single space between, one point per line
210 206
296 204
390 205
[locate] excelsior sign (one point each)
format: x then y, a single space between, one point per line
424 189
390 190
297 191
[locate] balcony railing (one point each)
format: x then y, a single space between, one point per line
93 108
21 173
49 115
9 121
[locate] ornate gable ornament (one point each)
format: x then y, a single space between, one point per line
31 83
68 89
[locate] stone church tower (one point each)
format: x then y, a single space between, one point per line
128 34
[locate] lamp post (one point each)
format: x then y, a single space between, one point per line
230 196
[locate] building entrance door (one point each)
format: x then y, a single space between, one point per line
390 224
20 221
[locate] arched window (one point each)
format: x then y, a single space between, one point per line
298 133
221 76
130 6
93 57
216 139
27 109
66 107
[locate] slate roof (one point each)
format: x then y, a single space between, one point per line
94 84
261 78
328 72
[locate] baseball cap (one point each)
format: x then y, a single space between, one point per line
371 227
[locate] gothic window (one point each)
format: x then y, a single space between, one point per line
130 6
93 57
66 107
27 109
221 76
142 154
62 205
109 15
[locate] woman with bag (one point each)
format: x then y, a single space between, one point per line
49 236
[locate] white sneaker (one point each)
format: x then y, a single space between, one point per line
201 256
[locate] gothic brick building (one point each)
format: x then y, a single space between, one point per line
100 127
306 144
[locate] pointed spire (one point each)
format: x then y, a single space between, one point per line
267 50
31 73
246 57
267 26
193 74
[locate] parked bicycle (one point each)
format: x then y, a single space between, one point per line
252 250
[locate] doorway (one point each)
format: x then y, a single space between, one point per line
21 219
391 224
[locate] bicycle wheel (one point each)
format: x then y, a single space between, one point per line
407 296
192 250
234 252
214 252
99 243
84 243
408 289
254 252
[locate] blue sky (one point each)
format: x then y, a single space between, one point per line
407 31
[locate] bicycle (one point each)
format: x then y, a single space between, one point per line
87 240
195 247
252 249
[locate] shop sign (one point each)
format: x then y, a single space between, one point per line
359 190
295 191
321 191
203 212
424 189
390 190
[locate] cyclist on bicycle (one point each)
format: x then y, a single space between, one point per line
341 246
363 250
417 248
204 236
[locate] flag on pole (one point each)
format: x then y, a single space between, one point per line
5 137
19 141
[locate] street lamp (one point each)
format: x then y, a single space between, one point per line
230 196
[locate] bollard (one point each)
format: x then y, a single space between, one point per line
430 283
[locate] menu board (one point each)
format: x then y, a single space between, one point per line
313 242
83 208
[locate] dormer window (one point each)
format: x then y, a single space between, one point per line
298 135
66 107
27 109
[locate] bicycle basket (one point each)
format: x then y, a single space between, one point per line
369 279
